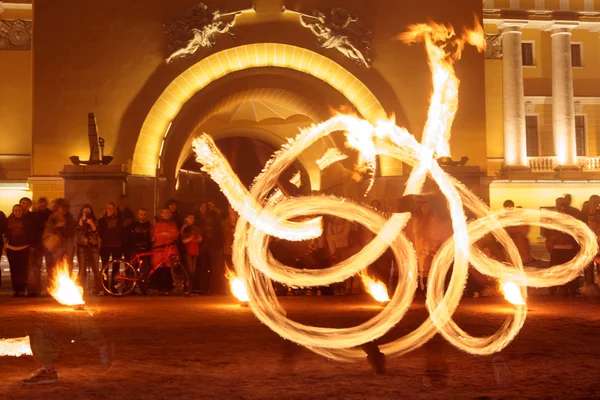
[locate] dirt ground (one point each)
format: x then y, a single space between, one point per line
211 348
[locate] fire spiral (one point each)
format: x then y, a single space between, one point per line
293 219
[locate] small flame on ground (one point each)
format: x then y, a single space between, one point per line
238 286
512 293
375 288
15 347
64 289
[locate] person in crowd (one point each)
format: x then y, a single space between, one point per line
175 215
591 216
40 253
30 221
191 237
562 248
3 222
570 210
141 239
228 228
203 264
59 236
518 234
212 248
127 218
26 205
17 250
110 231
165 233
339 249
88 252
422 234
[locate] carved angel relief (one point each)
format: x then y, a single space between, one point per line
197 29
340 31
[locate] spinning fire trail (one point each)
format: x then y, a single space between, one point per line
261 217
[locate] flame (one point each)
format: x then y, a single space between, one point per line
261 217
15 347
512 293
64 289
238 286
444 47
375 288
331 156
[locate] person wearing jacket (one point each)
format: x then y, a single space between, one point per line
37 249
111 238
3 222
165 233
88 252
17 250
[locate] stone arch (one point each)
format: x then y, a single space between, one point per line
166 108
287 104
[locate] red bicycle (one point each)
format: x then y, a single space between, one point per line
121 277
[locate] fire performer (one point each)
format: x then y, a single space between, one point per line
59 235
49 338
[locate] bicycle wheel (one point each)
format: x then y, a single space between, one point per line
119 278
179 275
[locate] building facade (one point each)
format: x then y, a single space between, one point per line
528 117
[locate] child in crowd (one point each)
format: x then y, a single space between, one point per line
191 236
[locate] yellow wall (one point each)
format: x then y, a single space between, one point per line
493 108
534 195
10 197
114 66
586 79
592 114
15 105
537 81
544 114
15 101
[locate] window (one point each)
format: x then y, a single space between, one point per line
580 141
527 52
531 136
576 55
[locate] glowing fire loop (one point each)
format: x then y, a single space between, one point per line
260 218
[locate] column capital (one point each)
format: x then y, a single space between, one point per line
511 25
561 26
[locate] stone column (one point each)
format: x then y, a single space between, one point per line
563 108
513 99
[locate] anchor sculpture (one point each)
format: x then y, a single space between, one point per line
96 146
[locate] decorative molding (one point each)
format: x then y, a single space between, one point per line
197 29
529 107
341 31
15 34
14 6
587 22
493 47
548 100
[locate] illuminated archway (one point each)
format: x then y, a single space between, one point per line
200 75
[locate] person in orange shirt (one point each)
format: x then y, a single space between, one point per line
165 233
